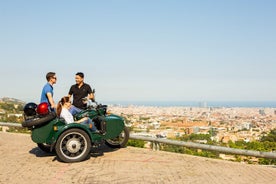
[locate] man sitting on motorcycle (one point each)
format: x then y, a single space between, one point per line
80 91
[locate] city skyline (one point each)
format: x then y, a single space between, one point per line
141 50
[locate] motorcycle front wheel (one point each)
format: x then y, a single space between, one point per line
120 141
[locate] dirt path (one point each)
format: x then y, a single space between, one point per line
22 162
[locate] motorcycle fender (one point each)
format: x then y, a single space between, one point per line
114 126
61 129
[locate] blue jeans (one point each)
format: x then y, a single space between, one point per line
89 121
74 110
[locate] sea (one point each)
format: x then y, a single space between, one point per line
252 104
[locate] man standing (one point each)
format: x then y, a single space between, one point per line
79 91
48 91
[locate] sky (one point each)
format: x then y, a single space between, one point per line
140 50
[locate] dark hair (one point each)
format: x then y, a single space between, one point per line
80 74
61 103
49 75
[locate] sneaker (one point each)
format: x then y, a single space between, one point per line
97 132
102 132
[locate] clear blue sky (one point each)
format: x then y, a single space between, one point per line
141 50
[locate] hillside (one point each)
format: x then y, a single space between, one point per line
11 100
11 110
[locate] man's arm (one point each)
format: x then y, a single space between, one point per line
91 96
51 100
70 93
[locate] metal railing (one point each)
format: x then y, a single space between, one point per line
10 124
221 149
156 145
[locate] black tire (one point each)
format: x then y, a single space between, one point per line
39 121
73 145
45 147
120 141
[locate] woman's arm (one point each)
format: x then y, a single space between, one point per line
82 119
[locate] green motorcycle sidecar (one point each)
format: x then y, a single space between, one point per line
72 142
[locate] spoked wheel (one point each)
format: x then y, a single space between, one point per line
73 145
45 147
120 141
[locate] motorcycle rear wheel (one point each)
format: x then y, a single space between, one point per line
120 141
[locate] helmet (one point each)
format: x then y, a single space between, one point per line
30 109
42 108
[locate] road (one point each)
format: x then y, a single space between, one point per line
23 162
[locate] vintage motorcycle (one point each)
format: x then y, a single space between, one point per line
72 142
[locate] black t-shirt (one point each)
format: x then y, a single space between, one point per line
79 93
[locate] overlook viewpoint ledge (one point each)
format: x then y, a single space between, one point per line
23 162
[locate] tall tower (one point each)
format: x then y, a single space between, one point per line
203 104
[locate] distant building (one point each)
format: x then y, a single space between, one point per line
246 125
262 112
189 130
227 138
155 125
195 129
2 112
203 104
16 115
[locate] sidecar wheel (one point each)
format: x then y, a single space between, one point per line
119 141
73 145
45 147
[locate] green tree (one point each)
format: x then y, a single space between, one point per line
7 107
12 119
136 143
173 148
271 137
194 137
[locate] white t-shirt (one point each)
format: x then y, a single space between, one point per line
66 115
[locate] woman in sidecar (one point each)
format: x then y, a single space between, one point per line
63 107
